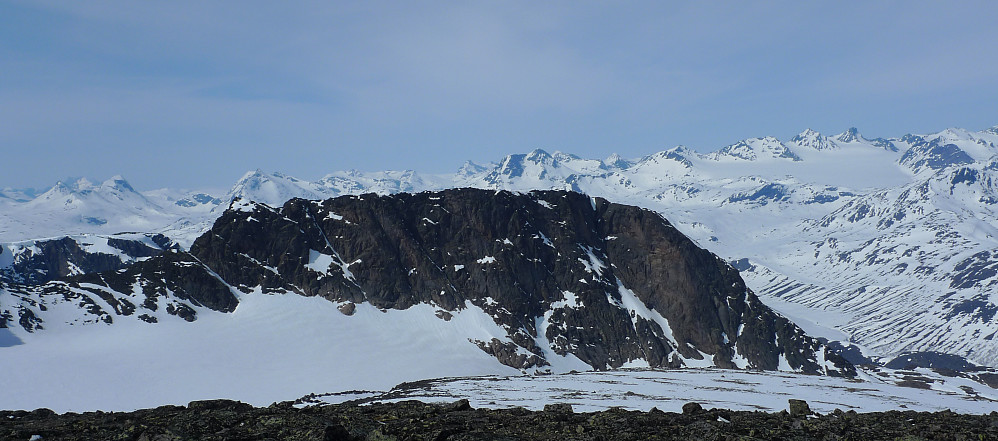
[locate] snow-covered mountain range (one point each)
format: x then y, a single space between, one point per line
884 243
83 207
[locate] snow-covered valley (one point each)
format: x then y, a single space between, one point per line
272 348
284 347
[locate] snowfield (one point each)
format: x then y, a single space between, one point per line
668 390
272 348
283 347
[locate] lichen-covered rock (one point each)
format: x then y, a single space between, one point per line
413 420
799 408
692 408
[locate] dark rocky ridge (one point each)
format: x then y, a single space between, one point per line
932 155
413 420
553 258
933 360
520 258
47 260
173 281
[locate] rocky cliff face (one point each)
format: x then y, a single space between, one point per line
35 262
170 284
563 274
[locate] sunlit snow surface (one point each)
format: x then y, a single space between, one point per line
668 390
283 347
272 348
110 207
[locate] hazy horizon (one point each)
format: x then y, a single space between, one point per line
193 94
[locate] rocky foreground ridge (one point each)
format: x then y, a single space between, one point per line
414 420
563 275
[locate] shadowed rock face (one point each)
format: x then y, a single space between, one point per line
553 268
47 260
935 360
173 281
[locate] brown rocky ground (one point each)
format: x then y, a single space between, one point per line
413 420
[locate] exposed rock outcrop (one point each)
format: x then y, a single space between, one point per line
563 274
607 283
225 420
39 261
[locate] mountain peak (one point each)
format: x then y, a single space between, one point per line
807 133
812 139
682 150
535 164
934 155
470 168
60 187
564 157
955 133
756 148
76 184
117 183
538 155
615 161
504 247
252 175
669 159
850 135
69 187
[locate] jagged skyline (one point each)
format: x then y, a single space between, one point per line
808 138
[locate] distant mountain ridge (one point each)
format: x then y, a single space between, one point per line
846 227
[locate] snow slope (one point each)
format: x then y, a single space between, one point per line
282 347
272 348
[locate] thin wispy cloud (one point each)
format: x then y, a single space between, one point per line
312 87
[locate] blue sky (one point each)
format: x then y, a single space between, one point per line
192 94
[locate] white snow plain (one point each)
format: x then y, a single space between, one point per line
284 346
272 348
668 390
